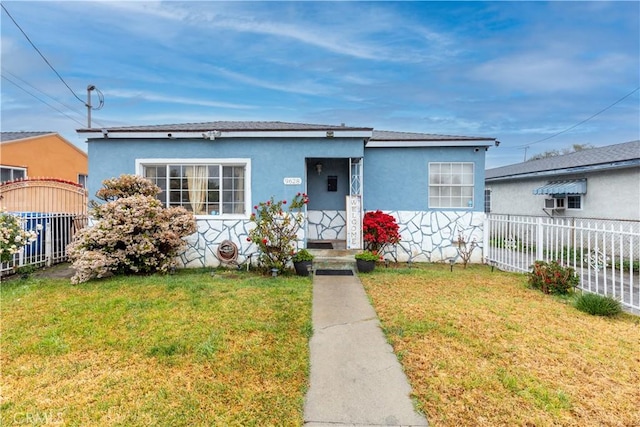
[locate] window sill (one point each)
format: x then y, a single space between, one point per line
223 217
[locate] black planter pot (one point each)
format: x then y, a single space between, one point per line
302 267
365 266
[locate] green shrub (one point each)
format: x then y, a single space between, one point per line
628 265
598 305
552 278
368 256
302 255
26 270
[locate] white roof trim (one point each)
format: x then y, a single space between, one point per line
213 134
571 170
441 143
299 134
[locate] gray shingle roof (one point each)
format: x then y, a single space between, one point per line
385 135
13 136
610 154
229 126
276 126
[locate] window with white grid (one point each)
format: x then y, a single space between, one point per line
203 188
451 185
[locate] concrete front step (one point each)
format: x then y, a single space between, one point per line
334 265
333 259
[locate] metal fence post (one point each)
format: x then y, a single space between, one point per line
486 245
48 244
539 240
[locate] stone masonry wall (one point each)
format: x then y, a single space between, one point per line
427 236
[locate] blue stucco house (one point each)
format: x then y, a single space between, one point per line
432 184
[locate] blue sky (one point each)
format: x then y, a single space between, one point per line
517 71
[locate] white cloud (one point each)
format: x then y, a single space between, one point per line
306 87
171 99
156 9
540 72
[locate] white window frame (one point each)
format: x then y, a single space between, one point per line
245 162
579 196
12 169
449 185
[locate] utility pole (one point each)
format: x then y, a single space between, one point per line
88 104
525 152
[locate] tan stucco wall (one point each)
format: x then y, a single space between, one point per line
613 194
49 156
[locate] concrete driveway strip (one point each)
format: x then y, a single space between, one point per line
356 379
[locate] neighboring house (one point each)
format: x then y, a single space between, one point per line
601 182
41 154
432 184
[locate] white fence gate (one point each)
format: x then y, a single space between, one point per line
605 254
56 207
56 232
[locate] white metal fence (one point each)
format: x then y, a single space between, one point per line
56 232
604 253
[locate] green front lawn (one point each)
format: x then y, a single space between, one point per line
184 349
481 349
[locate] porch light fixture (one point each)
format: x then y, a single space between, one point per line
319 168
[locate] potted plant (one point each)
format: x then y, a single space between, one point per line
366 261
302 261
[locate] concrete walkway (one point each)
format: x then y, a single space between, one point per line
356 379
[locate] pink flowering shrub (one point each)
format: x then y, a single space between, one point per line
133 233
125 186
276 230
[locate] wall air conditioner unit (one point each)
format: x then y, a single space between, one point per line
554 203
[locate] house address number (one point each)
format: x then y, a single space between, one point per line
292 181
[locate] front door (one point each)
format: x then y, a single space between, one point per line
328 186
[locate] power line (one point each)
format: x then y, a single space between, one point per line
578 124
41 100
4 70
40 53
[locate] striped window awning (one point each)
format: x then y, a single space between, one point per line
574 186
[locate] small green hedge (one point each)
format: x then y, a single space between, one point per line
598 305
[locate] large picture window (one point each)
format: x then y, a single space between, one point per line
202 188
451 185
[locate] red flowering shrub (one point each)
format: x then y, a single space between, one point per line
552 278
379 229
276 231
133 233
